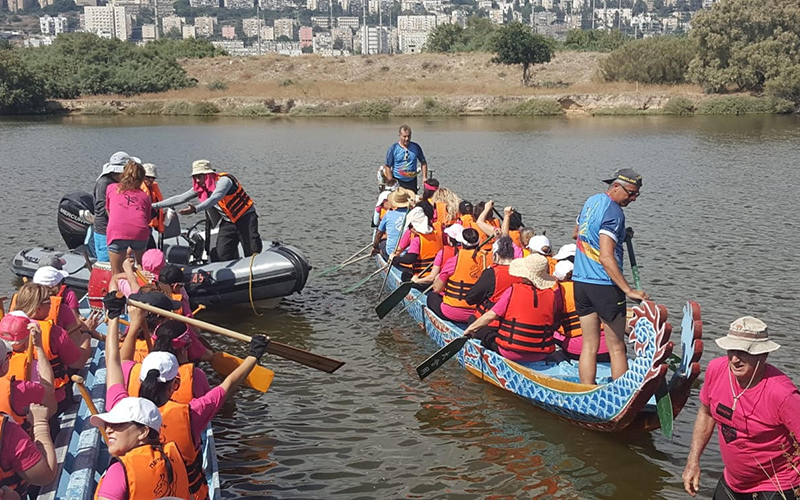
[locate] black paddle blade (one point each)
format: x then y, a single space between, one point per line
433 363
393 299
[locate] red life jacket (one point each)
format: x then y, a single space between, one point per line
502 280
530 320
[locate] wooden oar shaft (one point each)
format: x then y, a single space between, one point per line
87 398
424 292
301 356
347 260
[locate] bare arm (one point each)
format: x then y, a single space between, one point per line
44 472
438 285
387 172
506 226
703 429
45 372
609 262
484 320
137 317
113 361
424 170
484 226
575 233
435 270
237 376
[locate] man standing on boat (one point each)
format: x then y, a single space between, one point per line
757 409
235 211
600 287
401 161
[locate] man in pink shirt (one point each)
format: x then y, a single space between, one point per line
757 410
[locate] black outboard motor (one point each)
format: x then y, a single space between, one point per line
72 227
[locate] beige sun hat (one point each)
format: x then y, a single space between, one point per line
419 221
750 335
400 198
202 167
150 170
534 268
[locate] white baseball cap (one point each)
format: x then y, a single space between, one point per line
49 276
165 362
563 268
566 251
538 242
139 410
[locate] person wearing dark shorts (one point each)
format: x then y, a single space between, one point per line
600 287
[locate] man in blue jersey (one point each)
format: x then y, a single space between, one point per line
401 161
600 288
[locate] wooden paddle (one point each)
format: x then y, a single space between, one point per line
346 261
391 257
431 364
663 399
397 296
301 356
351 288
342 266
259 379
87 398
424 292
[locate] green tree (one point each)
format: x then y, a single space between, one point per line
751 46
657 60
308 49
517 44
20 90
444 38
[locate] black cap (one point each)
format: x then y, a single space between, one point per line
171 274
628 175
157 299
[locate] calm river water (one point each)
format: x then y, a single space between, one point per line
716 224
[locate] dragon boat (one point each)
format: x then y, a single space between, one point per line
628 403
81 452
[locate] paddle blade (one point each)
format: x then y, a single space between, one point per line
259 379
664 409
350 289
393 299
322 363
433 363
329 271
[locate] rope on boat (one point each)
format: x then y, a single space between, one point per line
250 286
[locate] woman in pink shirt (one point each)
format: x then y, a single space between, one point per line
757 410
129 213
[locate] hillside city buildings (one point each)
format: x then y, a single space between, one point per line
342 27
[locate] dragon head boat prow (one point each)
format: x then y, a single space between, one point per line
651 331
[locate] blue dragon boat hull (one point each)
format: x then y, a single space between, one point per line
625 403
80 449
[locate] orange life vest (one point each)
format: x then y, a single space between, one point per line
525 252
552 263
182 395
468 221
141 351
6 401
18 364
570 322
502 280
55 303
514 235
429 246
467 272
156 222
177 426
11 478
146 473
440 214
530 320
236 204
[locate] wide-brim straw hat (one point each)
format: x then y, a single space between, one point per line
535 269
750 335
400 198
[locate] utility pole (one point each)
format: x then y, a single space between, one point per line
592 14
258 24
380 27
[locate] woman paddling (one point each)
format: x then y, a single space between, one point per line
182 423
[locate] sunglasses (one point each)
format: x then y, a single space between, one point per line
631 194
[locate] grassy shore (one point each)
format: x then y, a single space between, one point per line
414 85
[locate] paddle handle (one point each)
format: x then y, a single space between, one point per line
29 359
87 398
191 321
637 282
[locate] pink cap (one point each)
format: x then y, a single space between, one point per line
14 327
153 261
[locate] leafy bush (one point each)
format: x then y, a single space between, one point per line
658 60
618 111
287 82
477 36
20 90
191 48
748 46
216 85
146 108
251 111
531 107
82 63
308 111
100 110
678 106
744 105
177 108
594 40
429 106
204 108
369 109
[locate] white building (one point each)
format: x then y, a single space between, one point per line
149 32
52 25
188 31
284 27
345 35
251 26
375 40
348 22
412 42
416 23
204 25
267 33
321 22
169 23
204 3
107 21
239 4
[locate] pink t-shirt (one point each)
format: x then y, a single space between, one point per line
128 214
202 409
62 346
457 314
518 253
69 303
24 393
196 349
18 452
754 437
414 246
200 385
404 240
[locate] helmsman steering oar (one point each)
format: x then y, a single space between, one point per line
663 399
301 356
